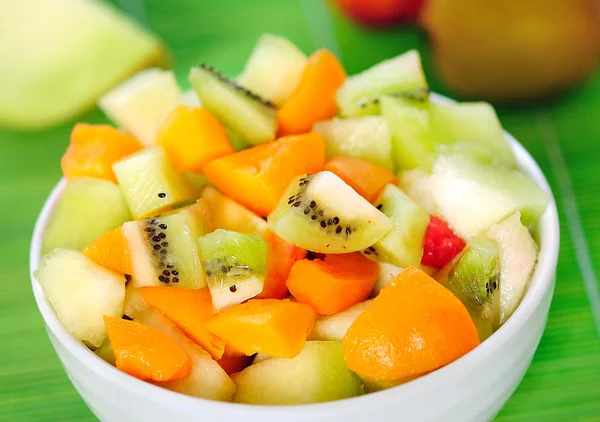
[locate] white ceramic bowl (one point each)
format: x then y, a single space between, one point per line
473 388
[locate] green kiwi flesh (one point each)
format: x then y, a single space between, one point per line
248 115
321 213
475 279
235 266
164 249
402 246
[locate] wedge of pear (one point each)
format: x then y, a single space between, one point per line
513 50
59 56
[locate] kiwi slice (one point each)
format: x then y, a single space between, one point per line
164 251
322 213
368 138
235 266
475 279
151 183
244 112
398 75
403 244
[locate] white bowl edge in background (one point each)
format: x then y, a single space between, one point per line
457 392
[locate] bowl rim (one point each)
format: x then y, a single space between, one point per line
541 282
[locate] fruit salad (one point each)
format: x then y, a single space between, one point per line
292 236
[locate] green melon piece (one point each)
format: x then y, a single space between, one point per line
317 374
141 103
274 68
151 183
86 209
81 292
368 138
472 196
334 327
403 244
402 75
321 213
235 266
59 57
245 113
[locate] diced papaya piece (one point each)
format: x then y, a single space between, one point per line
334 283
414 326
275 327
145 352
258 176
314 98
111 250
192 137
281 256
364 177
94 149
189 310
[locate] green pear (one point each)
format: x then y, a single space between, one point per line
59 56
513 50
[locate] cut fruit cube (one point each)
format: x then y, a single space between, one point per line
417 184
321 213
94 149
387 272
86 209
247 114
111 250
334 327
314 98
441 245
472 196
403 244
257 177
368 138
229 215
518 255
367 179
317 374
334 283
198 181
207 379
275 327
274 68
43 85
235 266
164 251
151 183
192 137
189 310
81 292
400 75
145 352
140 104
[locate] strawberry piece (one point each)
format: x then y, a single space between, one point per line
441 245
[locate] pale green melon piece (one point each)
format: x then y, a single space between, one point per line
86 209
334 327
60 56
317 374
81 292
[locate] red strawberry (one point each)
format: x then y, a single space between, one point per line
441 245
381 13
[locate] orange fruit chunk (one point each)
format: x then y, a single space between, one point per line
94 149
314 98
334 283
364 177
275 327
145 352
258 176
192 137
189 310
281 256
111 250
414 326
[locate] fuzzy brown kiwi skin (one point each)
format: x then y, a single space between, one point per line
253 96
331 224
157 242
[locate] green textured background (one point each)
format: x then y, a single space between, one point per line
563 383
